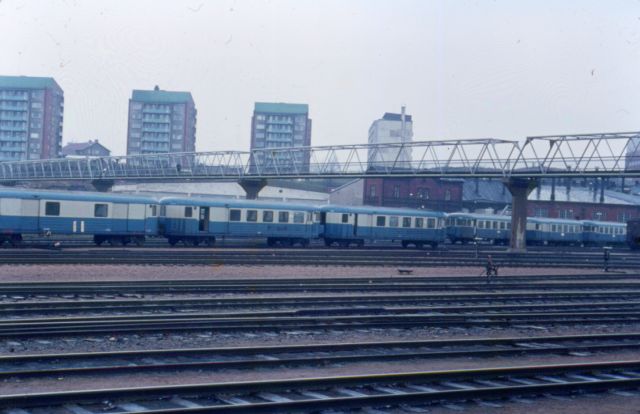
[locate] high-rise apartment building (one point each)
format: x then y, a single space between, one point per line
161 121
391 129
281 125
31 114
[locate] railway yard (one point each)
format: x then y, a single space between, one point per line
375 330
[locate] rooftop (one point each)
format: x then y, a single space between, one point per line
388 116
281 108
160 96
27 82
72 147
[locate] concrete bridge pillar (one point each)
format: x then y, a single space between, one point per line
520 188
252 187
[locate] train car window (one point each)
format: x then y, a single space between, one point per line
267 216
316 217
283 217
381 221
188 211
393 221
406 221
298 218
51 208
431 223
345 218
508 226
553 227
234 215
503 225
101 210
419 222
252 215
163 211
495 225
154 210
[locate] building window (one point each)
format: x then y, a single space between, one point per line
396 191
372 190
252 215
283 217
423 193
188 211
381 221
565 214
345 218
101 210
267 216
623 216
51 208
599 215
447 195
235 215
541 212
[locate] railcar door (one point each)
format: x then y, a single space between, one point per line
203 219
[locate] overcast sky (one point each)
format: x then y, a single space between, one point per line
464 69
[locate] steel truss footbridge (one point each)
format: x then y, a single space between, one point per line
597 155
518 163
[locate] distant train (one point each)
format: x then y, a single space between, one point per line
467 227
122 219
633 234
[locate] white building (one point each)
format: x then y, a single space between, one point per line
391 129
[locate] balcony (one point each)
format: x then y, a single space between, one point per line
156 111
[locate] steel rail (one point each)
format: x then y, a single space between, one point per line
348 309
304 395
67 308
122 362
142 324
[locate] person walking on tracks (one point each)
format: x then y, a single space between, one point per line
491 268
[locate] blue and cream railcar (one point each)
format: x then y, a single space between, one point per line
344 225
597 233
541 231
117 219
465 227
194 221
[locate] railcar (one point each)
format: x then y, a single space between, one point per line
116 219
603 233
345 225
549 231
633 234
466 227
194 221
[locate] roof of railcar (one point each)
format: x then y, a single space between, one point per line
210 202
381 210
74 195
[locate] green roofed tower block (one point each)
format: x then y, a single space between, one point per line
161 121
280 125
31 117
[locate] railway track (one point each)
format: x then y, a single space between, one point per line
127 362
336 319
20 291
324 305
364 257
487 387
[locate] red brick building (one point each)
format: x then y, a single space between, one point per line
428 193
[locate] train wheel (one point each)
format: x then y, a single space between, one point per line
404 244
285 243
139 241
328 242
172 241
16 240
344 244
360 244
304 243
189 242
115 241
434 245
209 241
98 240
419 245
